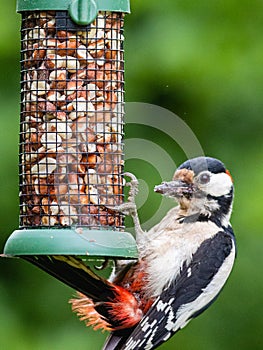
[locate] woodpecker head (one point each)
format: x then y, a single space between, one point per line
203 188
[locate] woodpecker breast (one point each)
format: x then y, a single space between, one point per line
172 246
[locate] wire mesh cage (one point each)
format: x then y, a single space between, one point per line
71 150
71 125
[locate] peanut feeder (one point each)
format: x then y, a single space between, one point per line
71 131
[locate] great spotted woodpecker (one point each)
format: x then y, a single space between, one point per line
184 261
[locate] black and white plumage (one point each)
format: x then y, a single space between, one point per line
196 286
184 261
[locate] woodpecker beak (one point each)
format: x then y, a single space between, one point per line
175 188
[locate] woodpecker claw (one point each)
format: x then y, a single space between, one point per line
129 208
131 175
134 183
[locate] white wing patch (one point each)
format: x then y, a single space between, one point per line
170 320
149 329
173 252
131 344
149 343
160 306
189 272
185 311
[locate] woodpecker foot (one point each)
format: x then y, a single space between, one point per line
129 208
134 183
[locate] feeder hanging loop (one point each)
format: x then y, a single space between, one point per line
83 12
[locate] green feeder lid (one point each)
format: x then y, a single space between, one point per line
82 12
69 241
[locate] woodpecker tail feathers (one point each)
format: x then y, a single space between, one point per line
100 303
109 314
85 310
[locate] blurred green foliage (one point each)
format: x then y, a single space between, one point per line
203 61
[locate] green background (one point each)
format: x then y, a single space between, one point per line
203 60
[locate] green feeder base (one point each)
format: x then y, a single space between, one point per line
69 241
72 255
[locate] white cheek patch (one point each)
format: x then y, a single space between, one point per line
219 185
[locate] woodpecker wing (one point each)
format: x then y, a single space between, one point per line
196 287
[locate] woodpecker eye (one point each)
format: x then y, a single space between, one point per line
204 178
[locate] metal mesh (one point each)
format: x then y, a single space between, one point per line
71 151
